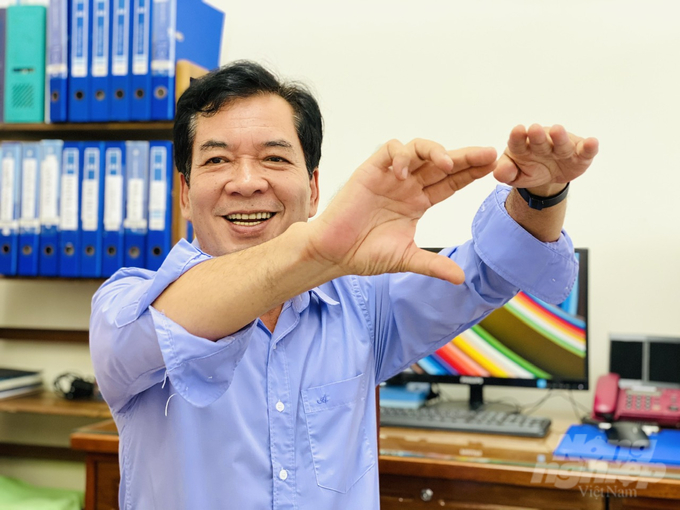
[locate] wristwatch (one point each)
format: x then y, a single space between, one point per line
538 203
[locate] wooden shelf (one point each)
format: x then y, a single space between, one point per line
48 402
89 131
29 451
46 335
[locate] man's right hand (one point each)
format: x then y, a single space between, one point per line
370 225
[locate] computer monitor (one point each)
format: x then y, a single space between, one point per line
526 343
645 359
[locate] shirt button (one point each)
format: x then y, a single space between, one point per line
283 474
279 406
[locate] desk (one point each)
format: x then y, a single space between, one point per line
424 470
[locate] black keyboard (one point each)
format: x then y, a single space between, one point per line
464 420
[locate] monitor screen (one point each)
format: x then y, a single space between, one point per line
527 342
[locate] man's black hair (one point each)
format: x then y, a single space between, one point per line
239 80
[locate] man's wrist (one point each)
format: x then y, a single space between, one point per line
541 201
547 190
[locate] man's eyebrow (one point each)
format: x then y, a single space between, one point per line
213 144
284 144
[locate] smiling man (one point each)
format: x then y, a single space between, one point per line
241 374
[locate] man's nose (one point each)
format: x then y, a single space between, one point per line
247 178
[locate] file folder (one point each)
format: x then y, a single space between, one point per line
3 34
78 78
57 58
114 206
99 69
136 209
159 239
29 218
25 64
91 210
140 100
69 217
10 187
181 30
120 60
50 180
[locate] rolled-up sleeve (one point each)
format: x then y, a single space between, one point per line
546 270
133 346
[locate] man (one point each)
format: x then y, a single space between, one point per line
242 373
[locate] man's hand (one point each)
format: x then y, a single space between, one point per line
544 159
369 226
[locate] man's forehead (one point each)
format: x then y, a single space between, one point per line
263 120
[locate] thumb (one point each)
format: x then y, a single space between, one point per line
438 266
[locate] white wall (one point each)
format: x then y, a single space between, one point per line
464 73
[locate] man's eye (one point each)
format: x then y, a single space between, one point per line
215 161
276 159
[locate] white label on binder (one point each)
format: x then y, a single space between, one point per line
89 213
28 189
135 204
113 202
7 197
157 205
69 202
49 175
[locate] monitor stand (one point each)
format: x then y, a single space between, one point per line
475 402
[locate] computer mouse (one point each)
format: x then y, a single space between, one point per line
626 433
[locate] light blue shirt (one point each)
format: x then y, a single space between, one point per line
287 420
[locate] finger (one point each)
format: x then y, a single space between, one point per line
429 151
539 143
392 156
518 143
472 156
506 170
563 146
588 148
462 159
445 188
431 264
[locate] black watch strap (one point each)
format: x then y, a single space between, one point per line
538 203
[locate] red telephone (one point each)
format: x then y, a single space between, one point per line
658 405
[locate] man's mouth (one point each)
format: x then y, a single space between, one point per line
249 220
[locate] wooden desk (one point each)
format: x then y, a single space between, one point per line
424 470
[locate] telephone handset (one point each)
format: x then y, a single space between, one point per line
643 403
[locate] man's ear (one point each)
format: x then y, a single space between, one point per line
184 204
314 196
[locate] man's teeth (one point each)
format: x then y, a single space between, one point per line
249 219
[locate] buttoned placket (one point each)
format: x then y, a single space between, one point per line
281 413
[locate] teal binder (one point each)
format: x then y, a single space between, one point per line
25 64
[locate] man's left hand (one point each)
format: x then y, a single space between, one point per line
544 159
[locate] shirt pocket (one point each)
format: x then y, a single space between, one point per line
335 415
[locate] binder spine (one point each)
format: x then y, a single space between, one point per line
78 103
160 203
91 210
120 60
114 207
25 64
99 70
69 219
57 58
136 208
29 219
163 28
141 60
10 187
3 35
50 180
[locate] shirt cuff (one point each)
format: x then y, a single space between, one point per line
546 270
200 370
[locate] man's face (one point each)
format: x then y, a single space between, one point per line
249 181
